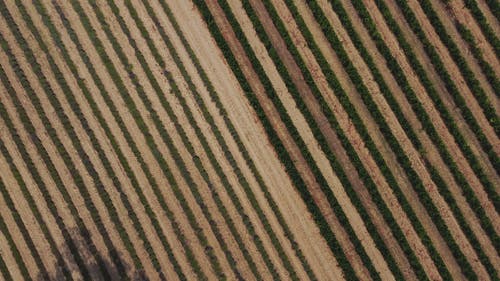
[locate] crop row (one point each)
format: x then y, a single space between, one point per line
467 73
190 148
42 152
22 227
425 120
488 32
215 98
230 190
327 191
121 157
427 124
318 134
4 270
486 68
424 79
85 159
118 81
107 165
381 205
400 154
309 40
453 90
182 133
343 98
275 141
220 140
151 179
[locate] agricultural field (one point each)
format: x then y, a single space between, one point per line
250 140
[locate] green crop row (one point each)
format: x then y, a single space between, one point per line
486 68
5 271
424 79
151 180
344 99
109 101
56 37
430 129
175 90
401 157
215 99
327 191
75 140
424 196
30 129
494 6
164 135
453 90
486 29
324 144
220 140
467 73
24 232
185 139
93 139
322 62
276 142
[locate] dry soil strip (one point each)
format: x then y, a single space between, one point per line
251 134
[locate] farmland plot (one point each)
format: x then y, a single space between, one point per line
249 140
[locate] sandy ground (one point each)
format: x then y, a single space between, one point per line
268 105
225 165
201 154
236 106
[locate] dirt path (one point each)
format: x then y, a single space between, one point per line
287 199
268 106
162 149
214 179
217 150
314 108
190 165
